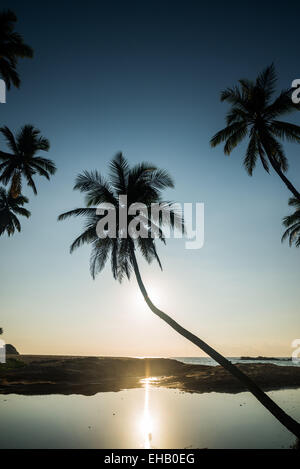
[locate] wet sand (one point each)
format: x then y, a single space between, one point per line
37 374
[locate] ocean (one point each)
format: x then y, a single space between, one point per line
281 361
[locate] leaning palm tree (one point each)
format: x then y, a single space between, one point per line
24 161
9 209
12 47
142 184
292 222
254 114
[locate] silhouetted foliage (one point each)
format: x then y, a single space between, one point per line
292 222
23 161
141 184
255 114
12 47
10 207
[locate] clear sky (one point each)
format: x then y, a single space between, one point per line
144 78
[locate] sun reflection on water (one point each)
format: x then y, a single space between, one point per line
147 420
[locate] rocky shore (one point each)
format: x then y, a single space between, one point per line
32 375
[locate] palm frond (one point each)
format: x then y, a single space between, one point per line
235 139
21 211
236 115
119 172
139 171
293 233
251 154
44 164
293 202
7 173
226 133
292 223
233 96
266 81
28 173
6 157
88 236
99 255
283 104
160 179
285 130
84 211
10 206
97 189
10 139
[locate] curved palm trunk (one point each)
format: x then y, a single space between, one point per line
288 184
263 398
278 170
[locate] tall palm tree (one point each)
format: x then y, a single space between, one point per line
24 161
143 183
254 114
292 222
9 209
12 47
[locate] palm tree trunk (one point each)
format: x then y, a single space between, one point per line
263 398
15 188
289 185
278 170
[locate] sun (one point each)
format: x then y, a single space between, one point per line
155 294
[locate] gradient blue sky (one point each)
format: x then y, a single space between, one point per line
144 78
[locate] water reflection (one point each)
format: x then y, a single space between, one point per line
147 419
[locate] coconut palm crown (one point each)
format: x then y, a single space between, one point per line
9 209
142 184
292 222
23 161
12 47
255 114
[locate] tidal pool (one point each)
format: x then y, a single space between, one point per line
148 417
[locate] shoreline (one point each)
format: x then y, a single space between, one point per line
37 374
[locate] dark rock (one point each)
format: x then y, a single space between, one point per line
11 350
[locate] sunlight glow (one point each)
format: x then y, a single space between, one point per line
147 421
155 294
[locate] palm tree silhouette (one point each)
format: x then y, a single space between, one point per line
12 47
292 222
23 160
143 184
9 208
253 114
